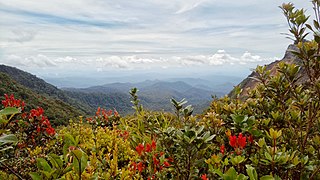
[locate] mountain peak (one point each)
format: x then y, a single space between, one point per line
249 83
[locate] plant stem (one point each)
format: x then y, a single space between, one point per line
273 154
15 173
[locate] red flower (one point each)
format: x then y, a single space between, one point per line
166 163
204 177
222 149
155 160
98 111
140 148
109 113
140 166
241 141
153 145
12 102
148 147
50 131
40 111
233 141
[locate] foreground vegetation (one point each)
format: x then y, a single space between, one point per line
273 133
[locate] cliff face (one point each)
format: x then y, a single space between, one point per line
249 83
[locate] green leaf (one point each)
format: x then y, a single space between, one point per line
56 161
218 171
43 164
252 172
9 138
35 176
268 156
78 153
69 140
9 111
267 177
200 130
242 177
231 174
209 138
6 148
238 119
80 160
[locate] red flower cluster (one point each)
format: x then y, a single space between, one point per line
106 113
140 148
104 117
10 101
237 142
148 148
149 157
138 166
156 162
41 121
32 123
204 177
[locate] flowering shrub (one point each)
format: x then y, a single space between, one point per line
31 128
10 101
104 118
151 163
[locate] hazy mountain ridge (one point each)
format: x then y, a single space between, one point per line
40 86
154 94
55 109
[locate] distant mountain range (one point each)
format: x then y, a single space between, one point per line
54 107
154 95
66 103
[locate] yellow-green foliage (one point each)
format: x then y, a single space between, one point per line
109 153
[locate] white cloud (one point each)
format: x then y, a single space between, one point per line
248 57
32 61
112 62
39 61
221 57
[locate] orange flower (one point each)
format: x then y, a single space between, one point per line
98 111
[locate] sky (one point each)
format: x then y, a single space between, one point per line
60 37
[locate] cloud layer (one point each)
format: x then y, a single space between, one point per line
141 34
221 57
